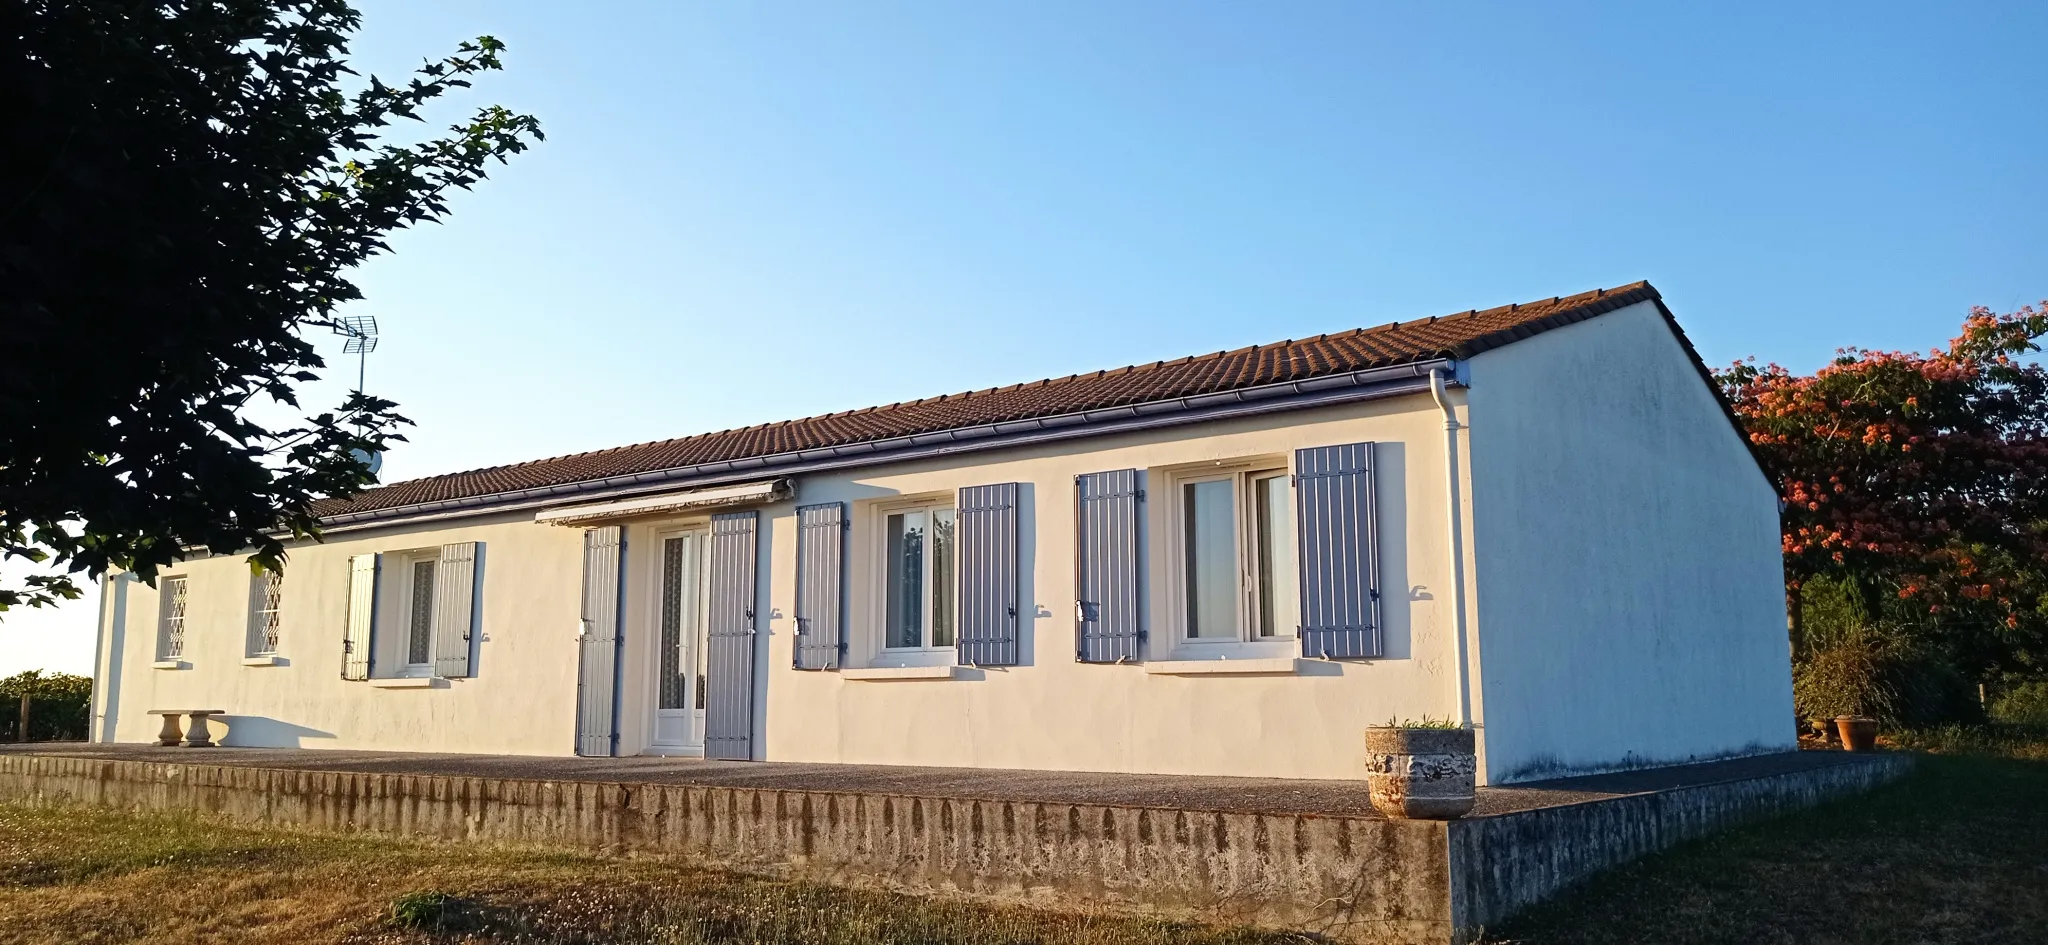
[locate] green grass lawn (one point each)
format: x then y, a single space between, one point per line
1957 852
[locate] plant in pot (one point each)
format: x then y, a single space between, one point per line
1849 686
1421 770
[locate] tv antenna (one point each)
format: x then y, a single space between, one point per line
361 332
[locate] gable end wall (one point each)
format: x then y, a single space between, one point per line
1630 604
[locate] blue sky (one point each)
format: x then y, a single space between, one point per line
750 212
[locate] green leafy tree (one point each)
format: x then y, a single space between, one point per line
186 188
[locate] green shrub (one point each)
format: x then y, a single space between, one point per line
427 910
2024 704
1880 672
58 706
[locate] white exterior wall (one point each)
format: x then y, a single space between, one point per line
520 699
1048 713
1055 713
1630 586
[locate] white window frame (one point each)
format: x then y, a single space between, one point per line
259 643
171 627
699 667
1172 603
878 583
400 644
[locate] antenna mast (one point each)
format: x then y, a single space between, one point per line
361 332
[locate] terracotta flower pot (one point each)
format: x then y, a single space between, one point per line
1420 773
1859 732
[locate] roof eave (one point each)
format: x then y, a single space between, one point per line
1349 387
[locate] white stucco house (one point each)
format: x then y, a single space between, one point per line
1537 519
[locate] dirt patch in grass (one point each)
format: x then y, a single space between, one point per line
1956 852
81 876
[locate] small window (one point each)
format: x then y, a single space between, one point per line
266 591
419 616
170 628
918 593
1237 576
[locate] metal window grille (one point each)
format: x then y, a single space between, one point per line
170 633
266 590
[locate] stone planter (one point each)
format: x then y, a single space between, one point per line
1859 732
1420 773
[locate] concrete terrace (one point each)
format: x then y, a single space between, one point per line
1308 855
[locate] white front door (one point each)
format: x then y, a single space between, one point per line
685 595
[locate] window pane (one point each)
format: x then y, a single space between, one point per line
421 625
674 557
1279 589
903 559
1210 541
942 577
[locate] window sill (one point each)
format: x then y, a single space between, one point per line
1281 666
885 673
170 664
406 682
267 660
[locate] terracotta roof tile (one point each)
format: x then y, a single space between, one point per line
1461 335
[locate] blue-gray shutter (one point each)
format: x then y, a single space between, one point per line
820 564
729 690
362 617
455 582
1106 627
597 675
1340 562
988 575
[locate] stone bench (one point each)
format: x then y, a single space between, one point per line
198 737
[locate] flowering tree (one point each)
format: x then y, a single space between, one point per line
1925 476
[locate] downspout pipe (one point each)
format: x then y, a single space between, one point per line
96 716
1454 519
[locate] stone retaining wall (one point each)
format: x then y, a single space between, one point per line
1501 865
1356 879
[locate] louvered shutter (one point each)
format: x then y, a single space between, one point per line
729 706
820 564
1339 535
604 557
455 583
987 521
1106 627
362 617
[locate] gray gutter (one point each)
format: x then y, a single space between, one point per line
1351 387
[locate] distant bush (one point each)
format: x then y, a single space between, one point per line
1997 740
2024 704
1880 672
59 706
